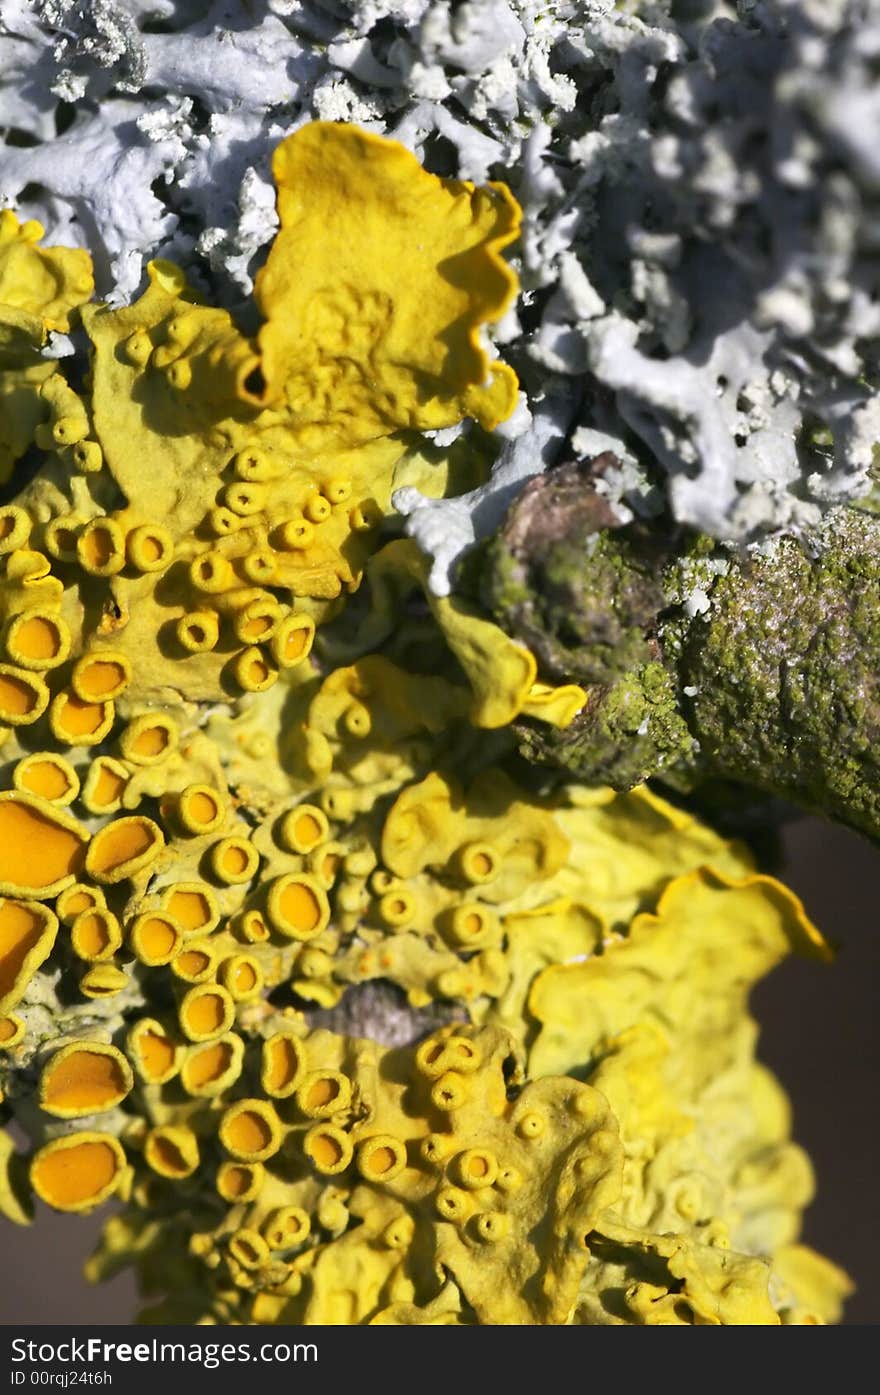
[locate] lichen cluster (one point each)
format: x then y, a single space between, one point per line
657 147
260 783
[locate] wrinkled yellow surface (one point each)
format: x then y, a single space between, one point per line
277 765
353 341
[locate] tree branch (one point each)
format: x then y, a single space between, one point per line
761 666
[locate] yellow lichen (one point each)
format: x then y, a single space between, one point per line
84 1078
41 290
351 342
77 1172
299 788
123 848
41 846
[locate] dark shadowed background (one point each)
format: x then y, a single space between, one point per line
819 1033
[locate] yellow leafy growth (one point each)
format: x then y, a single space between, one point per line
352 337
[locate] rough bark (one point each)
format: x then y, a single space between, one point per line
760 666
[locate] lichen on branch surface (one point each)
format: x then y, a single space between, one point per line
700 662
262 788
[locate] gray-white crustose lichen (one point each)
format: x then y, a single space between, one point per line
699 183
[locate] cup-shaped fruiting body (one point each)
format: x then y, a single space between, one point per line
357 720
398 1233
179 374
292 641
325 863
78 723
24 696
101 675
223 522
172 1150
95 935
303 829
283 1064
435 1148
298 907
453 1204
531 1125
211 573
199 631
79 1171
491 1226
323 1093
206 1012
250 1130
12 1030
255 463
78 898
248 1248
148 739
68 418
437 1055
240 1182
100 547
452 1091
155 938
208 1071
37 639
60 535
87 457
194 906
295 535
200 809
287 1227
398 909
154 1053
123 848
137 348
328 1149
471 926
41 846
316 508
105 785
149 547
234 860
15 528
252 670
245 497
382 880
196 961
509 1178
336 490
475 1168
103 981
259 566
364 516
48 776
257 621
381 1158
478 863
242 976
85 1077
252 928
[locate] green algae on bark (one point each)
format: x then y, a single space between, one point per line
761 666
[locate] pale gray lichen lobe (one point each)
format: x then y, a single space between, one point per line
699 181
